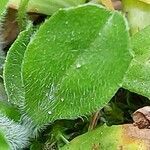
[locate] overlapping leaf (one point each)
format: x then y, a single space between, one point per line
75 63
10 111
137 78
111 138
12 69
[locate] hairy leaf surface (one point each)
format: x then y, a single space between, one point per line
12 69
137 78
75 63
13 133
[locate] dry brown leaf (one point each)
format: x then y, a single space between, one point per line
141 117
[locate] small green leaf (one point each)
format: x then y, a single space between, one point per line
126 137
137 78
12 68
10 111
47 7
75 63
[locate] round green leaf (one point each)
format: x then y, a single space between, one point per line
75 63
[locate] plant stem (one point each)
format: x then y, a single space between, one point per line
94 120
22 15
63 139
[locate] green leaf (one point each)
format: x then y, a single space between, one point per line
47 7
110 138
137 78
3 143
10 111
2 6
12 68
75 63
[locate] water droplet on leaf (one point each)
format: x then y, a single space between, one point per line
78 65
49 112
62 99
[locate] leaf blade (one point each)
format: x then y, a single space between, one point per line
70 61
137 77
115 137
12 68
